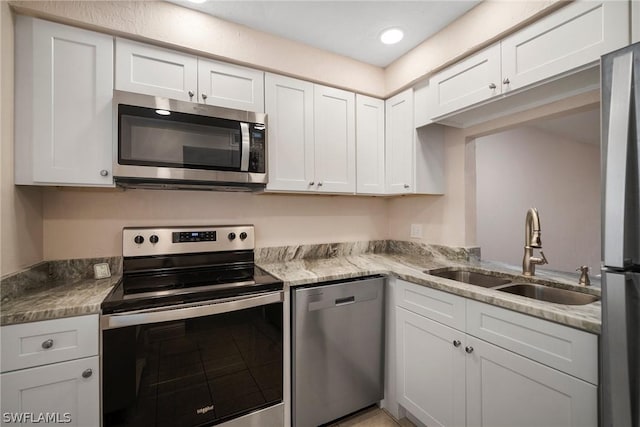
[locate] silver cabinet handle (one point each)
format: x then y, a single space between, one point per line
204 96
407 186
311 183
104 172
468 349
492 86
87 373
47 344
456 343
506 81
320 184
191 93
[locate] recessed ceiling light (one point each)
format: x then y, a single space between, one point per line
391 36
163 112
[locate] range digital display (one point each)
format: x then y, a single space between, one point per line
194 236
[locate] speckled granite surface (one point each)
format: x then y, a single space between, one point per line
55 289
407 261
66 288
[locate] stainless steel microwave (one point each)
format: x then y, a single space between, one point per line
165 143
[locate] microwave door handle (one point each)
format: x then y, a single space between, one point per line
616 163
246 147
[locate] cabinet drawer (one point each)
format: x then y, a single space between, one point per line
561 347
40 343
442 307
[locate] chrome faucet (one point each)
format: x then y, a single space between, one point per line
532 240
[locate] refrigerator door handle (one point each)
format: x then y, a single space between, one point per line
616 163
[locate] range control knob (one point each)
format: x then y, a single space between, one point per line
243 235
232 236
138 239
154 239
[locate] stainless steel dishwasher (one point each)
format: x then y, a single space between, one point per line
337 346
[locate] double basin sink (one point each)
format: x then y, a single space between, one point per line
525 289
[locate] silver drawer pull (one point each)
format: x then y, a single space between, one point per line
87 373
456 343
468 349
47 344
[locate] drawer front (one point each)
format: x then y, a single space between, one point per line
561 347
440 306
40 343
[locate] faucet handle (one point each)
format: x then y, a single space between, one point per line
584 275
544 258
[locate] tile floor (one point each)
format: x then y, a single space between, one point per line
372 417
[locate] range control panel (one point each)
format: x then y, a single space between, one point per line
147 241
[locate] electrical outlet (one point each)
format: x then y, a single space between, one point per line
416 231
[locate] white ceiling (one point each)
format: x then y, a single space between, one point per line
349 28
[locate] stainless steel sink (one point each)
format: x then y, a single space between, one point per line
549 294
467 276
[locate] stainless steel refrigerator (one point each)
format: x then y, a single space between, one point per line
620 347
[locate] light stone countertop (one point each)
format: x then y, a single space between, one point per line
410 268
61 288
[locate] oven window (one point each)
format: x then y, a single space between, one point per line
200 371
177 140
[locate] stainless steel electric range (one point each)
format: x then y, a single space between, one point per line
192 335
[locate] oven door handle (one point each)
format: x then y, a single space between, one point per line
167 314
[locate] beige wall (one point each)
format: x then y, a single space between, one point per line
174 26
62 224
526 167
451 219
88 223
20 207
487 22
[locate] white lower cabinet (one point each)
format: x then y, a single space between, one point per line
431 370
506 389
447 377
51 372
66 392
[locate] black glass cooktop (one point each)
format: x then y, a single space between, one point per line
151 282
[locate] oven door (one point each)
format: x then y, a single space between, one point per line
193 365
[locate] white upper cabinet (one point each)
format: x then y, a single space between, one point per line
565 44
152 70
574 36
63 100
635 21
230 86
335 140
474 79
369 145
311 131
399 143
289 108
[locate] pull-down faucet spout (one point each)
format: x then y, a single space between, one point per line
532 240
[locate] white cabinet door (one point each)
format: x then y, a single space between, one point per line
289 108
635 21
369 145
68 391
335 140
152 70
431 370
504 389
231 86
399 151
64 90
572 37
475 79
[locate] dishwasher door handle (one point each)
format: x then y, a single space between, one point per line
346 300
